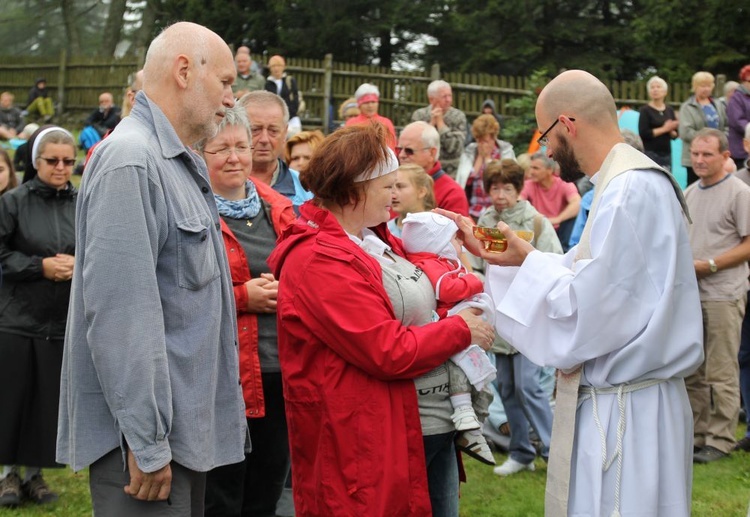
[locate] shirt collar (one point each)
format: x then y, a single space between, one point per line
149 112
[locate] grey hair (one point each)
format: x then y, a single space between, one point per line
658 80
435 86
264 98
632 139
234 116
430 136
730 86
548 162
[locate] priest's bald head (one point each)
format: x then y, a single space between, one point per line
578 117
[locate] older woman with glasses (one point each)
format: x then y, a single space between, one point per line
253 215
37 244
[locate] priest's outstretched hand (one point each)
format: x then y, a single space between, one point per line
515 253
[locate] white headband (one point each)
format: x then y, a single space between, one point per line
35 149
384 167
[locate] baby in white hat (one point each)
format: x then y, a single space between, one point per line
431 244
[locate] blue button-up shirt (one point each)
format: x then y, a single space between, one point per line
150 347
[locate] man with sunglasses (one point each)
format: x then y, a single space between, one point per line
449 122
419 143
619 315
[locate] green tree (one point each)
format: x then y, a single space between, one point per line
356 31
520 122
680 37
502 37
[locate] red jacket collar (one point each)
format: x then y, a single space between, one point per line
312 222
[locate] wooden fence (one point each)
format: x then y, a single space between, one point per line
77 82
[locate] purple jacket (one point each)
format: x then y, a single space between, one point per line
738 117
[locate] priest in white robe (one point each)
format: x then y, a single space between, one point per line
623 305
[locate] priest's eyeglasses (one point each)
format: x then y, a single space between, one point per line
544 139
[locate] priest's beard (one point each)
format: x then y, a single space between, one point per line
570 169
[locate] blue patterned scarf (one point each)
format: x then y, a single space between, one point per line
243 208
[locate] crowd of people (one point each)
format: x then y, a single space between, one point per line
229 306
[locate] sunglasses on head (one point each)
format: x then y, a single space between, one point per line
52 162
408 151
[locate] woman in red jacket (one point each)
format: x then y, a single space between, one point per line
354 331
252 216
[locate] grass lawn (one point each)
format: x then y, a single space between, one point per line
720 489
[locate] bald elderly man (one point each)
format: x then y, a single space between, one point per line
106 116
619 314
150 391
248 80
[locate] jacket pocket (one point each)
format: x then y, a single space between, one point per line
349 452
196 260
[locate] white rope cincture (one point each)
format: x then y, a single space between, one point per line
586 392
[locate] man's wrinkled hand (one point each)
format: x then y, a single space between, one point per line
148 486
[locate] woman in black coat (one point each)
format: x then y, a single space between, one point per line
37 244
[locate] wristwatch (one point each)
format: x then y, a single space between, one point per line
712 266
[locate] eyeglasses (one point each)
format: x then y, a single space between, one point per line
226 152
544 140
408 151
52 162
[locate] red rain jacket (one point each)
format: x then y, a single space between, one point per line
347 365
282 216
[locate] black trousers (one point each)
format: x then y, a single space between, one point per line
252 488
30 371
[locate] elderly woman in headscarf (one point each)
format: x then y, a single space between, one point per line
368 100
253 215
37 246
